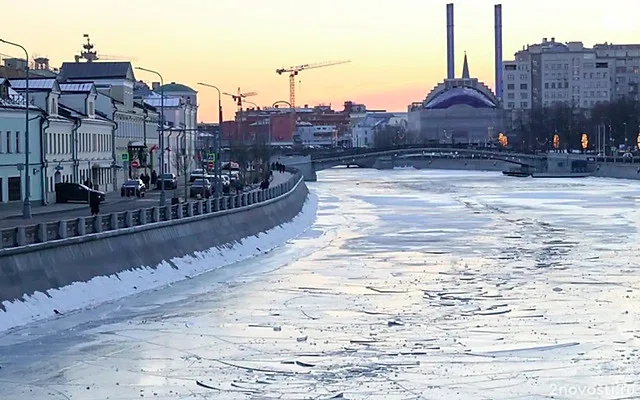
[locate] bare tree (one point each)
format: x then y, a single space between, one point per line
391 135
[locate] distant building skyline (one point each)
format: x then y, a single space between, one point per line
396 55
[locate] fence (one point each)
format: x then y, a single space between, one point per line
57 230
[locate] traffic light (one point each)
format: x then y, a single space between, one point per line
556 141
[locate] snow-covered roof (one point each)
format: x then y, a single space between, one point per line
15 100
35 84
79 87
155 100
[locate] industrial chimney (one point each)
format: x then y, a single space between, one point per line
498 50
451 70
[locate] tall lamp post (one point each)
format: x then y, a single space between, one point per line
217 142
162 195
26 206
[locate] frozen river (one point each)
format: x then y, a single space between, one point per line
410 285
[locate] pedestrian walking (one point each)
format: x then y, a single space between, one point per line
94 204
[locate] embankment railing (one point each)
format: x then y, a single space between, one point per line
57 230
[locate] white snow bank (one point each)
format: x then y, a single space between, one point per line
108 288
405 167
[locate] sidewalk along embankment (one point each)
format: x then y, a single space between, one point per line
41 280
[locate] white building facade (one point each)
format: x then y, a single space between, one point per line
93 135
75 137
135 132
181 124
13 148
308 134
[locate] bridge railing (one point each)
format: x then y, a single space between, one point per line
385 151
58 230
357 151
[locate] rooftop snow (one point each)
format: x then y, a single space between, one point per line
83 87
35 84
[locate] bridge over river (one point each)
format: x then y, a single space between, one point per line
472 158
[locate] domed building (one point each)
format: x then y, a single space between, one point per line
458 110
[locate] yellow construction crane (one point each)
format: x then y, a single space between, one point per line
293 71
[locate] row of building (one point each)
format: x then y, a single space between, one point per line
89 122
318 126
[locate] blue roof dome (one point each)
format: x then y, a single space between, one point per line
461 96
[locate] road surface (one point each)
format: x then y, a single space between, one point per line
114 203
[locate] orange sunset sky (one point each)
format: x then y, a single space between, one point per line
397 48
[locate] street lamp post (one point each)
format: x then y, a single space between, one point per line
217 142
162 194
26 207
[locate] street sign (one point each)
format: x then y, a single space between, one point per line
211 157
135 164
124 157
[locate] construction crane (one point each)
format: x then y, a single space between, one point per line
239 99
293 71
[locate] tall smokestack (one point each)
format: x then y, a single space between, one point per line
498 49
451 70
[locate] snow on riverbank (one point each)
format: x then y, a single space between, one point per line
108 288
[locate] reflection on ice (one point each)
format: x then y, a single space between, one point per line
411 284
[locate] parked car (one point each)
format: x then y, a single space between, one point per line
170 181
196 174
132 187
66 192
202 187
225 180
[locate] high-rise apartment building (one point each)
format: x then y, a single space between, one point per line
551 72
624 61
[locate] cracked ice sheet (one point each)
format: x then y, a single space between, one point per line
411 284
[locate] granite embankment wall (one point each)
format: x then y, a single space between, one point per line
617 170
144 238
451 163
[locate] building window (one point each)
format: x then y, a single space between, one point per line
18 144
523 86
8 142
15 189
54 107
524 104
511 86
511 105
2 143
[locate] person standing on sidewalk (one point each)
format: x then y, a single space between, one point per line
94 204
